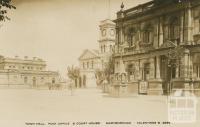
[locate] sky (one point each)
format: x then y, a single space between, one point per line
56 30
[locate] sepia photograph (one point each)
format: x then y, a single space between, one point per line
99 63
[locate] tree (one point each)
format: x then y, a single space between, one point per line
106 72
4 6
99 76
174 60
73 73
175 55
109 69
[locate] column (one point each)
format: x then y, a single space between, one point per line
122 34
137 70
177 71
140 77
138 39
181 28
188 25
158 67
185 64
152 68
160 31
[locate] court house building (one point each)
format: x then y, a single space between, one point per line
92 60
159 44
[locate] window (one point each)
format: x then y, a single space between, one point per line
88 65
25 79
83 65
197 70
131 72
104 48
197 26
146 71
148 33
131 39
92 64
102 63
42 79
131 36
111 48
148 37
174 32
53 81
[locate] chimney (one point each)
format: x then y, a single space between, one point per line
16 57
34 58
25 57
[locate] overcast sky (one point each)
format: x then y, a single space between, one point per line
56 30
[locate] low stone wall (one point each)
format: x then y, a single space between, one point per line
155 87
133 87
119 90
196 86
19 86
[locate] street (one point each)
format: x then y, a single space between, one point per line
28 105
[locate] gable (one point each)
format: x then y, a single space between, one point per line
87 54
167 44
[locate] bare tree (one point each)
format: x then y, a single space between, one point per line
109 69
174 60
105 73
73 74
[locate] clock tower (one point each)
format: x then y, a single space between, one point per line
107 40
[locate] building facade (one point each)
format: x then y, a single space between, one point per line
159 44
26 73
89 61
92 60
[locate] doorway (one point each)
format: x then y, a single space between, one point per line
34 81
84 80
168 73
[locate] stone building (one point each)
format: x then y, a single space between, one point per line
92 60
159 44
26 73
89 61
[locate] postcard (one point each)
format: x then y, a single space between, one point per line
99 63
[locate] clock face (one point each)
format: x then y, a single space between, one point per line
104 32
112 32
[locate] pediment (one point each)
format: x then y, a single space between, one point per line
167 44
88 54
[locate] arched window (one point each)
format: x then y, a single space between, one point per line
131 72
102 63
148 34
174 30
88 65
196 21
83 65
92 63
111 48
53 81
197 26
131 37
25 79
101 49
